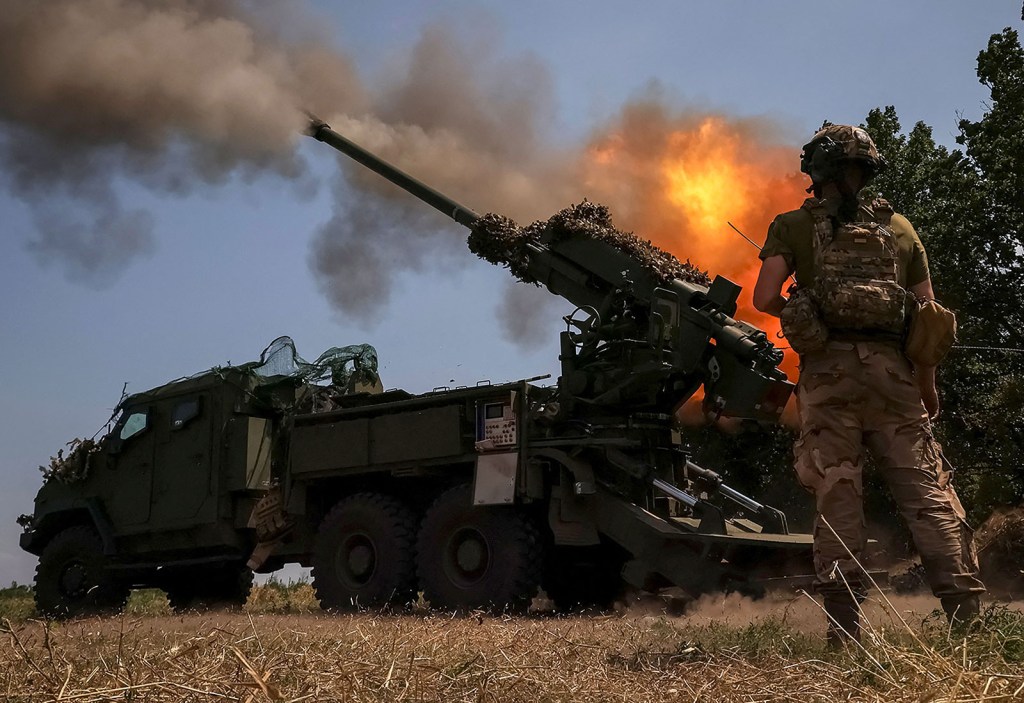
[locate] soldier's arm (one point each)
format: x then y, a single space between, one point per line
923 290
768 296
925 375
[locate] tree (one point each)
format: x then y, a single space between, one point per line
968 207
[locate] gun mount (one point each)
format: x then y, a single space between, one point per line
647 332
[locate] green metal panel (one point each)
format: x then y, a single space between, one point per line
426 434
257 455
337 445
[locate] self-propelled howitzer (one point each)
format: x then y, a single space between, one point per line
642 338
599 454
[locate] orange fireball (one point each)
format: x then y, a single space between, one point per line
679 180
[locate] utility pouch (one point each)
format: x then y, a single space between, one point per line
932 333
802 324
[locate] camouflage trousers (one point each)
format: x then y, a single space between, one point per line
861 396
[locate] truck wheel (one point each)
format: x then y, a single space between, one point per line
73 576
577 578
363 556
478 557
216 586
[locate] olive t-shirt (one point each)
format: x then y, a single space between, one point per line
791 233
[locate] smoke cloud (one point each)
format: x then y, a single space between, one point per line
175 95
171 94
470 126
182 94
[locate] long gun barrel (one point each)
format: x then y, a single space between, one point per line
460 213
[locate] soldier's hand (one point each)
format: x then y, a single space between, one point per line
930 396
929 391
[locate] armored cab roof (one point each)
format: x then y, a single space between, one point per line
232 375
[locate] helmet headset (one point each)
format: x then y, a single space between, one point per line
832 147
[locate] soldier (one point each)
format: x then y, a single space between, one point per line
856 263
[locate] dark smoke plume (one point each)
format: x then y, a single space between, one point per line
182 94
173 94
469 126
176 95
525 309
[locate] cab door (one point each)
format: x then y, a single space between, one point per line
184 484
128 478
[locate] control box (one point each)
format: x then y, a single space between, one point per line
496 425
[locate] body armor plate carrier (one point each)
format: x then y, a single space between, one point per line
857 271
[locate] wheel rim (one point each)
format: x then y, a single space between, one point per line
356 561
74 580
467 557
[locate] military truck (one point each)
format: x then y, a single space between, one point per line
474 497
164 498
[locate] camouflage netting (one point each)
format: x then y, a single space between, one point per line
73 467
337 365
346 370
1000 542
501 241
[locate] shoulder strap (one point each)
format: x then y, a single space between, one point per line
882 211
823 231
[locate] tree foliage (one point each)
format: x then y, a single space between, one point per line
968 207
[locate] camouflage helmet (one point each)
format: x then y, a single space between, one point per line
834 144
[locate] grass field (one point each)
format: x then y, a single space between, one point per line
282 647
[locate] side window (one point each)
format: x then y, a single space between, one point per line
183 412
135 423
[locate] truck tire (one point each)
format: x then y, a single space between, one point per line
364 554
478 557
578 578
205 587
73 577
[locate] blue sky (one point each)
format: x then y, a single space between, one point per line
230 267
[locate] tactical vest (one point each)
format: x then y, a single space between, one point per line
856 283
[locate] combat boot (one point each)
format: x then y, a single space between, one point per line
843 611
962 611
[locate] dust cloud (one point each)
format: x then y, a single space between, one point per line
802 612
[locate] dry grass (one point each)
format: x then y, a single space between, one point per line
726 649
